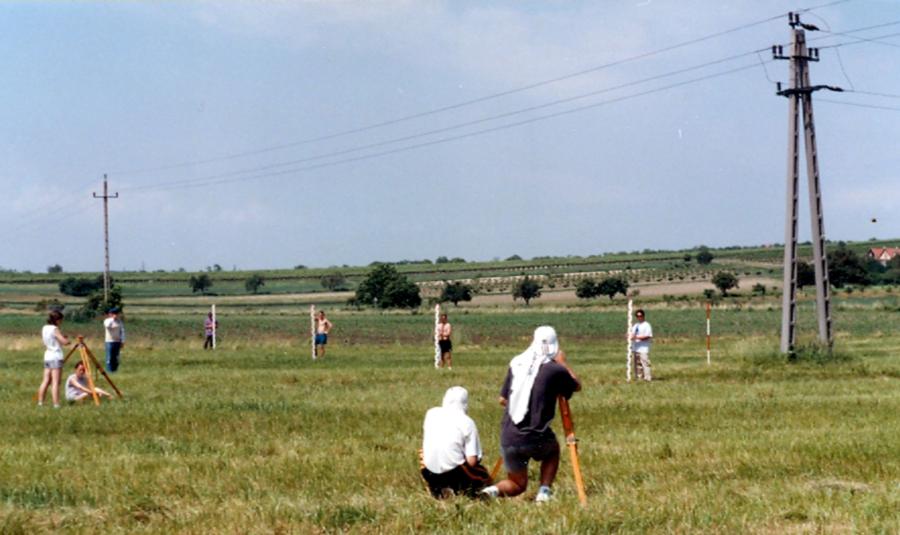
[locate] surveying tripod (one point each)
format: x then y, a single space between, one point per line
87 358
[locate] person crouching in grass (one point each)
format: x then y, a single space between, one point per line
77 386
534 381
451 449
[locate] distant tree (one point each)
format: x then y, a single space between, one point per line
526 289
891 275
709 293
200 283
687 257
611 286
458 260
55 268
846 267
254 283
759 289
704 256
216 267
455 292
299 266
80 287
387 288
724 281
586 289
514 258
333 281
806 274
441 260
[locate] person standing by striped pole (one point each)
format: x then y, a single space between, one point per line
641 337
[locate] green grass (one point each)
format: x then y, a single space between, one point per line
257 438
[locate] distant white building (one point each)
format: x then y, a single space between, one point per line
883 255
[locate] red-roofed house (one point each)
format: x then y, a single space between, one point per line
883 254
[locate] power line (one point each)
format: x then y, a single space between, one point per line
473 101
464 124
858 104
874 94
207 181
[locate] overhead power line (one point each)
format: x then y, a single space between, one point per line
470 102
858 104
426 133
208 181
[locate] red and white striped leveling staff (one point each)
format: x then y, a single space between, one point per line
214 325
312 329
437 345
708 309
630 358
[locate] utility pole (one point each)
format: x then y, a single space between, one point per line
106 197
800 95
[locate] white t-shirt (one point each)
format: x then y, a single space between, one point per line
53 351
642 329
450 437
115 330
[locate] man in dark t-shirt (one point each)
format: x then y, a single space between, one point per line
532 437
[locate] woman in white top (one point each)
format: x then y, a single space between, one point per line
53 357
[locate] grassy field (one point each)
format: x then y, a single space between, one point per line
257 438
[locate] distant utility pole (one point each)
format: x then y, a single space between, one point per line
800 93
106 197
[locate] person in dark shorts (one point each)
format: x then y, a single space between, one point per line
323 327
444 331
534 381
451 450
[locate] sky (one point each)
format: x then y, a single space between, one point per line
262 135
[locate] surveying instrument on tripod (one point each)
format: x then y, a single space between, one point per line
87 358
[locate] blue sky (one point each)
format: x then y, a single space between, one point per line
144 91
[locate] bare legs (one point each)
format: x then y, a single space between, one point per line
516 482
51 378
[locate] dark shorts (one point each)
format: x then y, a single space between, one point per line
464 479
516 458
53 364
445 345
321 339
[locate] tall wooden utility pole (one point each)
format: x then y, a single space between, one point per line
800 95
106 197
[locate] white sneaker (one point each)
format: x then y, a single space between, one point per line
543 495
489 492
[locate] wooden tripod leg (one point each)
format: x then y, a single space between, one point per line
87 372
569 429
103 372
74 349
496 470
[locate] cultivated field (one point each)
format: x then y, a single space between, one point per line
257 438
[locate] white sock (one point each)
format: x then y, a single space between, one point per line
544 489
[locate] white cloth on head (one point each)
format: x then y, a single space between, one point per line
525 368
450 435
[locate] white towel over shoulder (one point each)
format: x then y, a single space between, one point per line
525 368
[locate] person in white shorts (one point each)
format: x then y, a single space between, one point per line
641 337
53 357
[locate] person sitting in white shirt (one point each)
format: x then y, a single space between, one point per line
451 449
